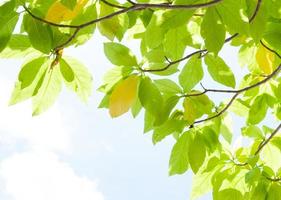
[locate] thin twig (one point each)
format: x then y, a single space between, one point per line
255 11
276 71
135 6
219 113
184 58
265 142
72 37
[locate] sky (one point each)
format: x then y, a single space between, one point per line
76 151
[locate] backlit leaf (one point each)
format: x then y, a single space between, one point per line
123 96
265 59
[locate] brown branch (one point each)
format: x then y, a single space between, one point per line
70 39
269 49
173 7
260 147
265 142
170 63
237 92
135 6
205 50
255 11
219 113
276 71
273 179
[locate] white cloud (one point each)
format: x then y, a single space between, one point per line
40 175
46 131
38 172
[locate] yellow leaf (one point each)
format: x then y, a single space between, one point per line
123 96
265 59
190 112
58 12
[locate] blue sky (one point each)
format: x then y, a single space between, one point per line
112 158
76 151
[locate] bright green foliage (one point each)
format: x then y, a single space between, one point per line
219 71
8 21
180 47
212 30
191 74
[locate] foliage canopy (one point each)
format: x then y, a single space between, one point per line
180 44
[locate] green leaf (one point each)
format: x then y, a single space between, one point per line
76 77
253 176
196 153
114 75
28 79
210 138
154 34
212 30
258 110
150 97
201 182
252 131
29 72
66 71
148 122
115 26
8 21
48 91
259 192
87 32
18 47
169 127
274 192
176 18
69 3
196 106
229 194
231 13
269 154
175 42
226 129
258 25
136 108
219 71
119 54
179 156
36 31
169 103
191 74
167 86
272 35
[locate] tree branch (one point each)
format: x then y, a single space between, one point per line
219 113
237 92
265 142
255 11
275 72
184 58
70 39
260 147
135 6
